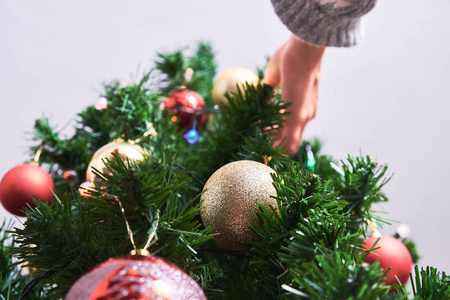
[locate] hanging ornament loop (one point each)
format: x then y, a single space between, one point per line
267 159
37 156
374 228
140 251
151 131
152 234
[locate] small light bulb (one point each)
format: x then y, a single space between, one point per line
101 104
192 136
403 230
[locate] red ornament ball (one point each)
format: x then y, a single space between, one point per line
70 176
391 253
136 277
24 183
185 105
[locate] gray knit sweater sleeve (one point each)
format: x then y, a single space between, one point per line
324 22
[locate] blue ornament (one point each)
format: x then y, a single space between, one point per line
192 136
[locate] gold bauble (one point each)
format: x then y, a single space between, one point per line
230 196
124 150
228 82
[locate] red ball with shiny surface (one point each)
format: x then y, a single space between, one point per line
186 105
24 183
391 253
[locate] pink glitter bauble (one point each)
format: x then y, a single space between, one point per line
136 277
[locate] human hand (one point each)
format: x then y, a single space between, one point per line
295 67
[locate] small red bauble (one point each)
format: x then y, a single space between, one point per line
391 253
185 105
24 183
136 277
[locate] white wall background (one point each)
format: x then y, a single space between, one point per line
387 97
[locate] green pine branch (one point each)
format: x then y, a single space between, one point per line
430 284
244 130
337 275
360 184
359 181
13 277
320 164
308 220
130 113
411 246
173 66
73 234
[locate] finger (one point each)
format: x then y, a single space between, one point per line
273 70
290 137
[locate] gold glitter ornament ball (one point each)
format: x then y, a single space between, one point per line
123 150
228 82
230 196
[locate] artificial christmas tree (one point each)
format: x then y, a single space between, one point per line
305 243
